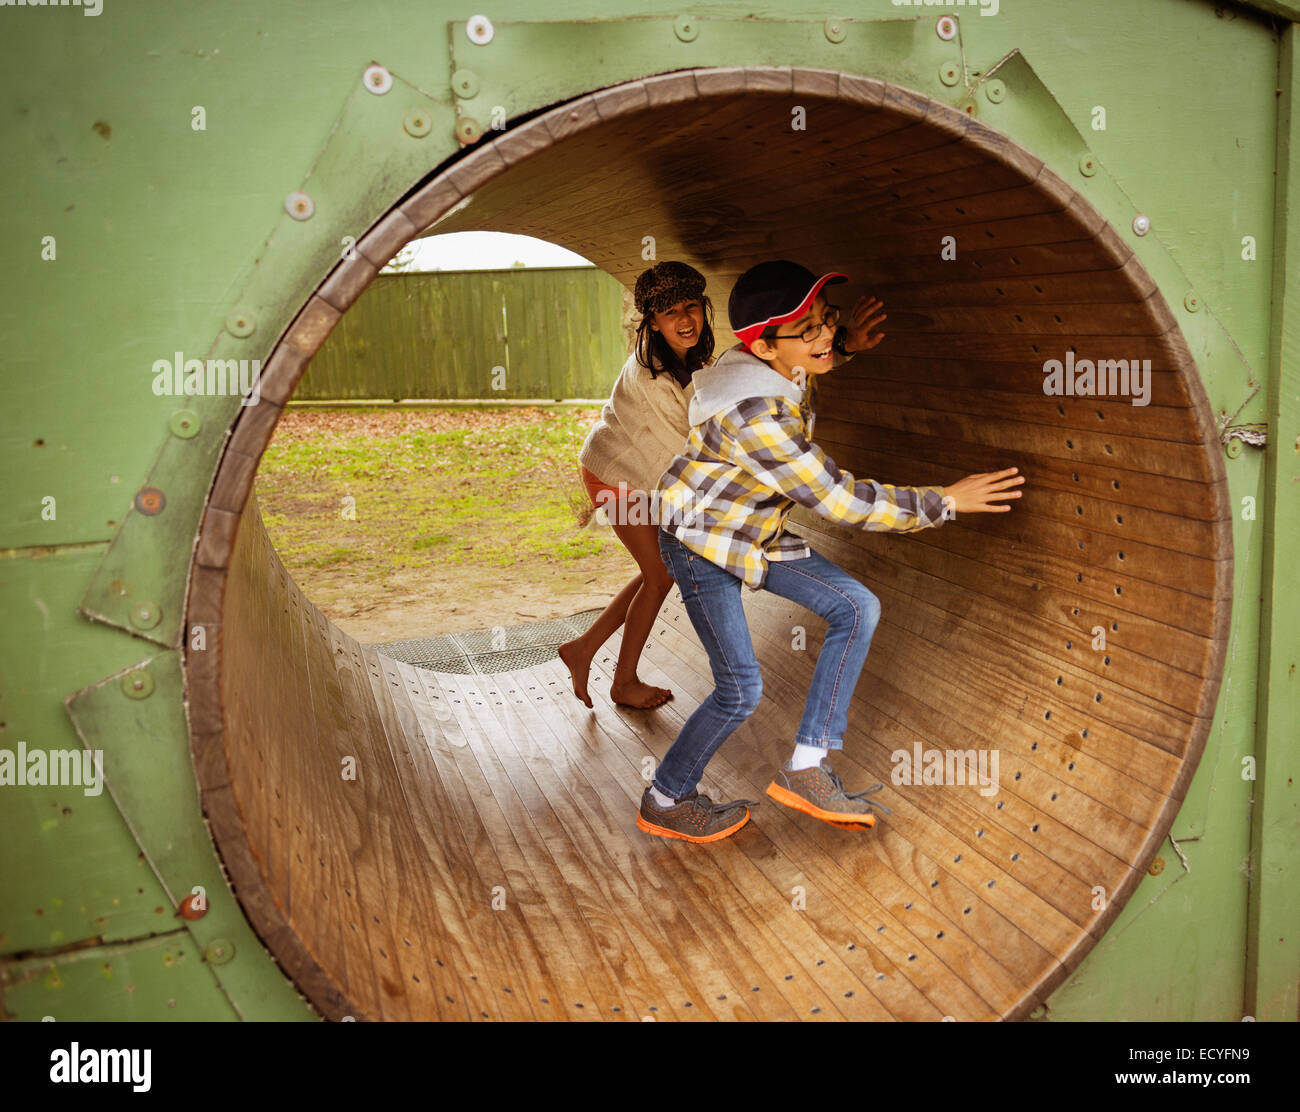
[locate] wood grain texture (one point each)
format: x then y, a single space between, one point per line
483 861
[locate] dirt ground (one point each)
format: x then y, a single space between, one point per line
416 604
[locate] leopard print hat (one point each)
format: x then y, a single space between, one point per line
665 284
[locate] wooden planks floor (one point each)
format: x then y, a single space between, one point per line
533 894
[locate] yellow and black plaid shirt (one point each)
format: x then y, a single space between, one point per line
727 496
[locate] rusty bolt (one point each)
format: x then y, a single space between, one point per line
192 907
150 501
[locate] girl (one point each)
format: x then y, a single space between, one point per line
641 428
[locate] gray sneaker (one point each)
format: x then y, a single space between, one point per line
817 791
696 818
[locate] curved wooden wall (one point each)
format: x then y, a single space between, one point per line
377 895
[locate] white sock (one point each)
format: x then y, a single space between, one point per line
807 756
660 799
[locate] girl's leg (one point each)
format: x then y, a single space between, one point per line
643 542
578 653
637 604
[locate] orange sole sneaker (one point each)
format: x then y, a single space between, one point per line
664 832
846 819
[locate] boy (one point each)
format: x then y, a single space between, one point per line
724 503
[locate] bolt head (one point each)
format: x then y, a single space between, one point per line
377 80
300 206
1141 224
479 30
417 124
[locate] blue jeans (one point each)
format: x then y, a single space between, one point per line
712 598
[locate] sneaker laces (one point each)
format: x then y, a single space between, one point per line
715 808
839 784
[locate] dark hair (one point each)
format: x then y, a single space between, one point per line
655 354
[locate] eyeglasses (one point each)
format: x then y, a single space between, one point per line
809 334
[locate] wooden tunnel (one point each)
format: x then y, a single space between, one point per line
485 863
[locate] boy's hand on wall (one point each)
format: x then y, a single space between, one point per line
977 493
866 315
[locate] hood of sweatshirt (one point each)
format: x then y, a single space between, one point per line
737 375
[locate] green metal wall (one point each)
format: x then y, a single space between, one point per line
535 333
170 238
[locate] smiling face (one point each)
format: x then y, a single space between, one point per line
681 325
786 354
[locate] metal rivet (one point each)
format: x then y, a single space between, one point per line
137 684
1157 866
218 951
299 206
996 91
1141 224
970 106
146 615
418 124
1087 165
184 423
946 28
241 324
192 907
377 79
686 29
1192 303
1233 448
835 30
150 501
468 130
949 74
479 30
465 83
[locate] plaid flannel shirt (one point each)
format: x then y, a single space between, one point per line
727 496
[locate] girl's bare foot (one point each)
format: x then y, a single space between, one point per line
579 667
640 695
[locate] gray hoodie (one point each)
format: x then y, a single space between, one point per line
737 375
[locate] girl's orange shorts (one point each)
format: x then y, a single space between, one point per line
596 488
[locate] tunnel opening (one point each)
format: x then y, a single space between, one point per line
484 863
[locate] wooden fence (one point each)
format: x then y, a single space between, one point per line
524 333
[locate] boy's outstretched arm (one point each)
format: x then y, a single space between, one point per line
773 448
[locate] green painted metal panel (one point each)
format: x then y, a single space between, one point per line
1273 957
163 230
152 979
147 770
70 865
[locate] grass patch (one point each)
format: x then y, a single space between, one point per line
377 492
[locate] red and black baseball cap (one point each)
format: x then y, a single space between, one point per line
772 293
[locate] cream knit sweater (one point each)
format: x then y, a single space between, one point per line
641 428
